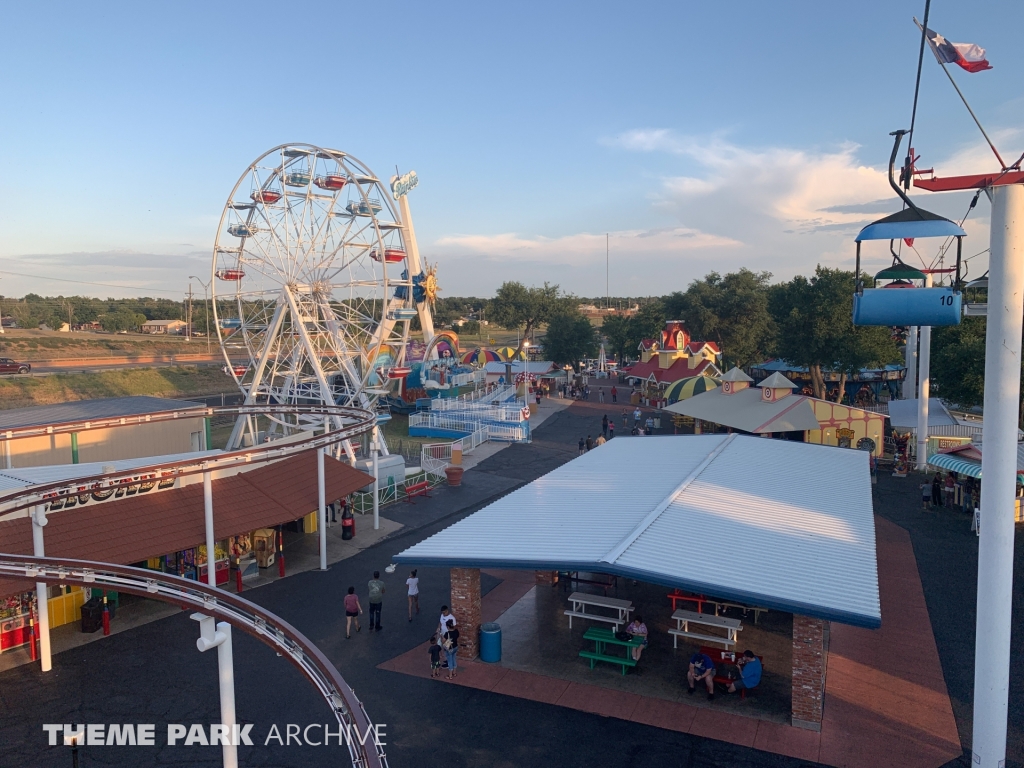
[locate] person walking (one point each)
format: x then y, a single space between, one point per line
600 395
636 417
949 490
413 583
600 441
649 426
352 611
376 587
937 490
926 494
615 394
583 446
590 443
604 425
625 418
611 429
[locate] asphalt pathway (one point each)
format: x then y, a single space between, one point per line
154 674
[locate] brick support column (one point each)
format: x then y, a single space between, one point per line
547 578
465 605
809 662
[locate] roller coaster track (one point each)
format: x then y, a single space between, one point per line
18 503
239 613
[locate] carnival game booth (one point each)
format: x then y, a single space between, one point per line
782 527
772 409
964 461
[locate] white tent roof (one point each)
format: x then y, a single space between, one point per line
780 524
903 414
746 411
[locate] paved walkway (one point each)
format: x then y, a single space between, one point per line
885 699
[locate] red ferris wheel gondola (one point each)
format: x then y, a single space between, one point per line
391 255
399 373
330 181
230 274
267 196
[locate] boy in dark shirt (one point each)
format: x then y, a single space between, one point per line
435 657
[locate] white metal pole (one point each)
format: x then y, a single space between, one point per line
322 507
43 618
211 543
218 635
376 484
924 354
910 382
998 476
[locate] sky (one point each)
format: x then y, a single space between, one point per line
697 136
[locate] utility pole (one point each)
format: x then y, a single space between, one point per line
188 315
607 290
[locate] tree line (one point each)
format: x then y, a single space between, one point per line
805 321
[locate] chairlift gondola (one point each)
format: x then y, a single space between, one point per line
976 298
914 305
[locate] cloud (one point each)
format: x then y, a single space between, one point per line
584 247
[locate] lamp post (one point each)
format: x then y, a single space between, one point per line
206 306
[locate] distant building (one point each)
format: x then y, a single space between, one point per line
673 357
171 327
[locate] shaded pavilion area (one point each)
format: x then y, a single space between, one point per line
774 524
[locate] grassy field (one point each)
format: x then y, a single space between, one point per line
177 381
53 345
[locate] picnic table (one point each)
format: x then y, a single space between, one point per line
684 619
603 638
678 596
726 669
580 601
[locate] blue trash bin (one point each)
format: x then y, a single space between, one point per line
490 642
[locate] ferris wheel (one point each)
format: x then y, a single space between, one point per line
317 279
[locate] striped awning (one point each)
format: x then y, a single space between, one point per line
953 464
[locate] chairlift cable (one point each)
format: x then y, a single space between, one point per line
908 170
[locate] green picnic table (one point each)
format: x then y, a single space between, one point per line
602 638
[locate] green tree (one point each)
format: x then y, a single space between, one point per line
815 328
616 332
122 320
517 307
958 362
570 339
647 323
730 310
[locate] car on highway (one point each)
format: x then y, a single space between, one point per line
7 365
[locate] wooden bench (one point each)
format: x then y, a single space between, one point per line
417 489
624 661
684 619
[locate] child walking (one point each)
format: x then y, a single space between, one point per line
352 611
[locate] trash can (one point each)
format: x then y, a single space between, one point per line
92 615
490 642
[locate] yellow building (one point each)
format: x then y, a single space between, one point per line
846 426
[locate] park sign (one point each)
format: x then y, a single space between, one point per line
401 185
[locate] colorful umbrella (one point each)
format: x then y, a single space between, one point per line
688 387
509 353
480 357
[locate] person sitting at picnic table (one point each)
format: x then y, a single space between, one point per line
750 672
637 628
701 668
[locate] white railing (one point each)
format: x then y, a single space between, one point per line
503 433
471 399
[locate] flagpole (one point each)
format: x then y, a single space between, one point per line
977 122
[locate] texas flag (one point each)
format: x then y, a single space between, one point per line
965 55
